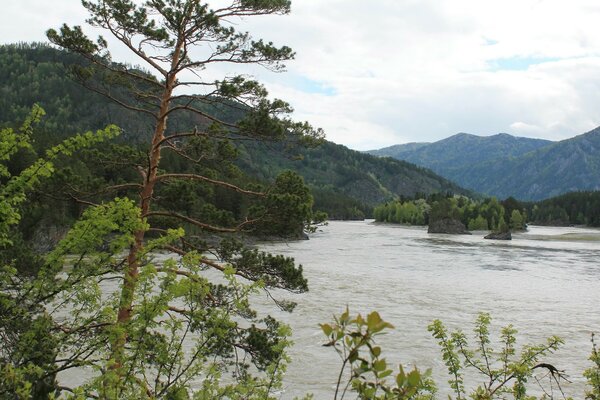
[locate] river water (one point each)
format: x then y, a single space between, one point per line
545 282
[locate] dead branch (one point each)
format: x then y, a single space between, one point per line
235 188
190 221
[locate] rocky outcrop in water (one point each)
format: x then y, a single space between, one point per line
449 226
499 236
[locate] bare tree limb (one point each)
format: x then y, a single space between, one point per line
198 223
195 177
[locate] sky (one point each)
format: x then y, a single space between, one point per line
384 72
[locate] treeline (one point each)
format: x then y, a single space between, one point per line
487 214
576 208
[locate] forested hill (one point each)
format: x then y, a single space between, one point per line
345 183
503 165
334 171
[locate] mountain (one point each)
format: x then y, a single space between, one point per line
503 165
332 169
399 151
452 155
345 183
561 167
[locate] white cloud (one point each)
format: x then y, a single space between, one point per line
417 70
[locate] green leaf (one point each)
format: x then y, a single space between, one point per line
327 329
414 378
379 365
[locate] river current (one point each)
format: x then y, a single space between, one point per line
544 282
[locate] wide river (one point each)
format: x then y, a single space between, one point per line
545 282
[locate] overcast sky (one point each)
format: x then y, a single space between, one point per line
383 72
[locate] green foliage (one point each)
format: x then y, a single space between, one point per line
142 323
576 208
409 212
287 209
478 224
593 374
367 371
85 330
517 222
338 206
475 214
14 188
505 372
28 350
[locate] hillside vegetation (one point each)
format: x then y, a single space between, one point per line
345 183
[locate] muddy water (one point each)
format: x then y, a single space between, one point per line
544 282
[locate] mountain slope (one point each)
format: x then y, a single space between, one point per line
561 167
503 165
449 156
366 178
343 180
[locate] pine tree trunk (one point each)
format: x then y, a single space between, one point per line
149 180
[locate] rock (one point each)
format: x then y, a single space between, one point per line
46 237
499 236
448 225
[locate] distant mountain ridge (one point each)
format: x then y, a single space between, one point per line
503 165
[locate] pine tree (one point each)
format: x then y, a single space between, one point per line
170 319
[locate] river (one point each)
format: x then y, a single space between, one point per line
545 282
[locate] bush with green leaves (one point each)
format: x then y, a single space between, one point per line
364 370
506 373
593 374
28 349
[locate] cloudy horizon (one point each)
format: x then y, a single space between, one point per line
414 70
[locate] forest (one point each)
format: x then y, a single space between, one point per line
488 214
576 208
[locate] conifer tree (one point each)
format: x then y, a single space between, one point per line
171 326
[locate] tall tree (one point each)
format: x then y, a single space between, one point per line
171 321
